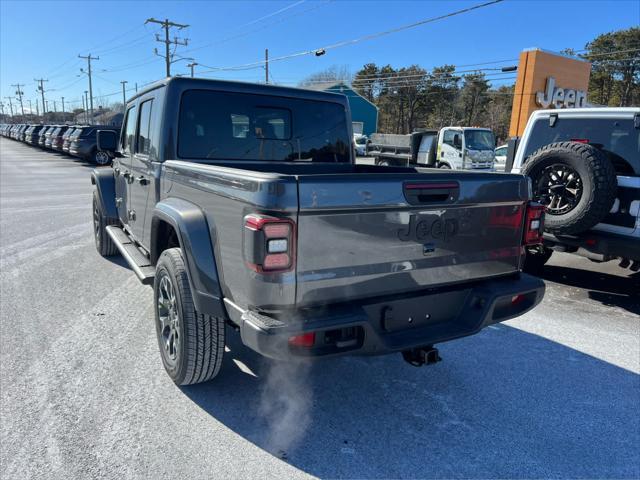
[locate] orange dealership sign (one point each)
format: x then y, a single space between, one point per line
547 80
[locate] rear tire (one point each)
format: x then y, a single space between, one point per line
104 244
444 166
575 182
191 344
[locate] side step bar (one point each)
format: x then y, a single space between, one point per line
138 262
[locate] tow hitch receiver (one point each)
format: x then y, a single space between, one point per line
421 356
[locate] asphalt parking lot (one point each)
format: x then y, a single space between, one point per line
555 393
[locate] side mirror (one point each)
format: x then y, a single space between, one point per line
457 141
107 141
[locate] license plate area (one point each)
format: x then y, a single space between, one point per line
415 312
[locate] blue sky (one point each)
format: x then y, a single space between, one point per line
43 39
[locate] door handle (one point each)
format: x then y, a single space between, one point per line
142 180
128 177
442 154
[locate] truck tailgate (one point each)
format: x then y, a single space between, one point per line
371 234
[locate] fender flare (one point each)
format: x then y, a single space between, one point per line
105 183
197 239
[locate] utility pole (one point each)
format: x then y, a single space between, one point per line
124 94
63 107
266 65
19 94
166 24
37 108
30 109
86 110
2 108
46 109
136 87
191 65
10 105
55 109
41 90
88 58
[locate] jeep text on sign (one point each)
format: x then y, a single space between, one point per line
557 97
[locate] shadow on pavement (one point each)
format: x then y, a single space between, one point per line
504 403
610 290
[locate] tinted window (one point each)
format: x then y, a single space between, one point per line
143 144
501 151
617 138
233 126
128 133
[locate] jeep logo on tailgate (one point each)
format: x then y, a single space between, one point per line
439 229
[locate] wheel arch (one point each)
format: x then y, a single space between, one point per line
105 183
177 222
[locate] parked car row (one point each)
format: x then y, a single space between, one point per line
76 140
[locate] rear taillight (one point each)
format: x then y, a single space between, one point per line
305 340
534 224
269 243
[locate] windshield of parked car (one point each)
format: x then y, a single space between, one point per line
616 137
479 139
239 126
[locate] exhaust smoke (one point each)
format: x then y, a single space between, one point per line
285 404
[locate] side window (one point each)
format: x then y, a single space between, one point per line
143 143
128 133
448 137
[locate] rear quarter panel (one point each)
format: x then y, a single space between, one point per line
226 196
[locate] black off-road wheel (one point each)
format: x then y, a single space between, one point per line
104 244
575 182
191 344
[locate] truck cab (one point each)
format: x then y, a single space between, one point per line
462 148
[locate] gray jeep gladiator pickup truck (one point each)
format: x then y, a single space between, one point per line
243 206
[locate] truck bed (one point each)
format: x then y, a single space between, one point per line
362 230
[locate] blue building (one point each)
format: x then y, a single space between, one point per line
364 114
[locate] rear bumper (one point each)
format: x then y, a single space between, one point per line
80 150
393 324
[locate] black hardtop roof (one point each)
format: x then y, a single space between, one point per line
241 87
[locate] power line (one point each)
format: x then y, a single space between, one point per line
427 74
89 58
322 50
270 24
41 90
166 24
19 93
124 94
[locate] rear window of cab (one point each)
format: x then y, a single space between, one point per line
239 126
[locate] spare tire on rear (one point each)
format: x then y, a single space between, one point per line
576 183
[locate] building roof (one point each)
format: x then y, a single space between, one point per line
322 86
325 86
